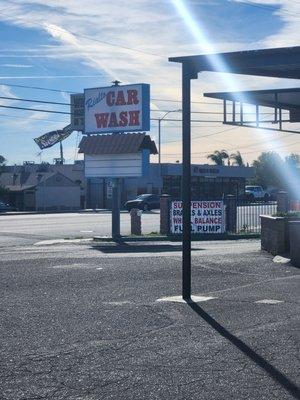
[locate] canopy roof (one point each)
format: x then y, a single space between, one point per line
288 99
278 62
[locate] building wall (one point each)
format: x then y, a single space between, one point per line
57 198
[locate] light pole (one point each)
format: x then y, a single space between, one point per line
159 135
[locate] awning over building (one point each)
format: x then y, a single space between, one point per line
278 62
117 144
277 99
287 99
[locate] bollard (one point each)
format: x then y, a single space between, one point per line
136 221
282 202
231 213
165 206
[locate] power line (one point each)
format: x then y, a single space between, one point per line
68 113
34 118
268 8
70 92
37 88
57 29
35 109
34 101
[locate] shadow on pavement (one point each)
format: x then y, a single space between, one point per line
273 372
138 248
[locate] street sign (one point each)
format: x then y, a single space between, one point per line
119 109
77 111
109 189
206 217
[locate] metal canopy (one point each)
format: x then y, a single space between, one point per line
277 99
287 99
278 62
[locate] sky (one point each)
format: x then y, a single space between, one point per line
69 46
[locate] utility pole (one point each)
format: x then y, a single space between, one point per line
115 212
159 138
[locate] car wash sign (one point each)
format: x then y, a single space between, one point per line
117 109
206 217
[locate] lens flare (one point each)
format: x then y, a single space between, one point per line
288 174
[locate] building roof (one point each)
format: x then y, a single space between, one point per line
277 62
117 144
17 182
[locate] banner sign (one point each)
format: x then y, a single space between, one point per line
51 138
77 111
123 108
206 217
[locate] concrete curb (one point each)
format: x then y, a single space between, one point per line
158 238
15 213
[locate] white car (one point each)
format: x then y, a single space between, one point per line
256 193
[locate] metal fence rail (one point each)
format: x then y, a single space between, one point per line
248 220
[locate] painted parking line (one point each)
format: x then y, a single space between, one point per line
269 301
179 299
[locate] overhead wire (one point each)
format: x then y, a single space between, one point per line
58 29
70 92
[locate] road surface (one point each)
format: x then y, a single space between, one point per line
103 321
68 225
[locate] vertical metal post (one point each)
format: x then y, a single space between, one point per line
233 111
159 142
241 113
280 119
186 182
115 229
224 111
61 153
257 116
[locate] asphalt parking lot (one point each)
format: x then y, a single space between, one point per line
101 322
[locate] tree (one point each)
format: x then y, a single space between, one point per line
218 157
267 170
2 163
237 159
293 160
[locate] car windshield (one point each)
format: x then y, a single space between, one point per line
252 187
144 196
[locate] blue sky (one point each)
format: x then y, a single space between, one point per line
64 46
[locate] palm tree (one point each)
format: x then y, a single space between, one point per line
237 159
218 157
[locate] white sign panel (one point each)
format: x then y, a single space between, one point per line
113 165
117 109
206 217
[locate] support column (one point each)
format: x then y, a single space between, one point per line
282 201
115 229
165 202
186 182
231 213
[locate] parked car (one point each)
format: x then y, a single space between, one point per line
145 202
256 193
5 207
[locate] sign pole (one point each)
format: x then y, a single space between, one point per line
61 153
186 183
115 229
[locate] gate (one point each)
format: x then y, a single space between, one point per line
248 215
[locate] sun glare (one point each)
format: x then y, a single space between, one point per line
231 83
